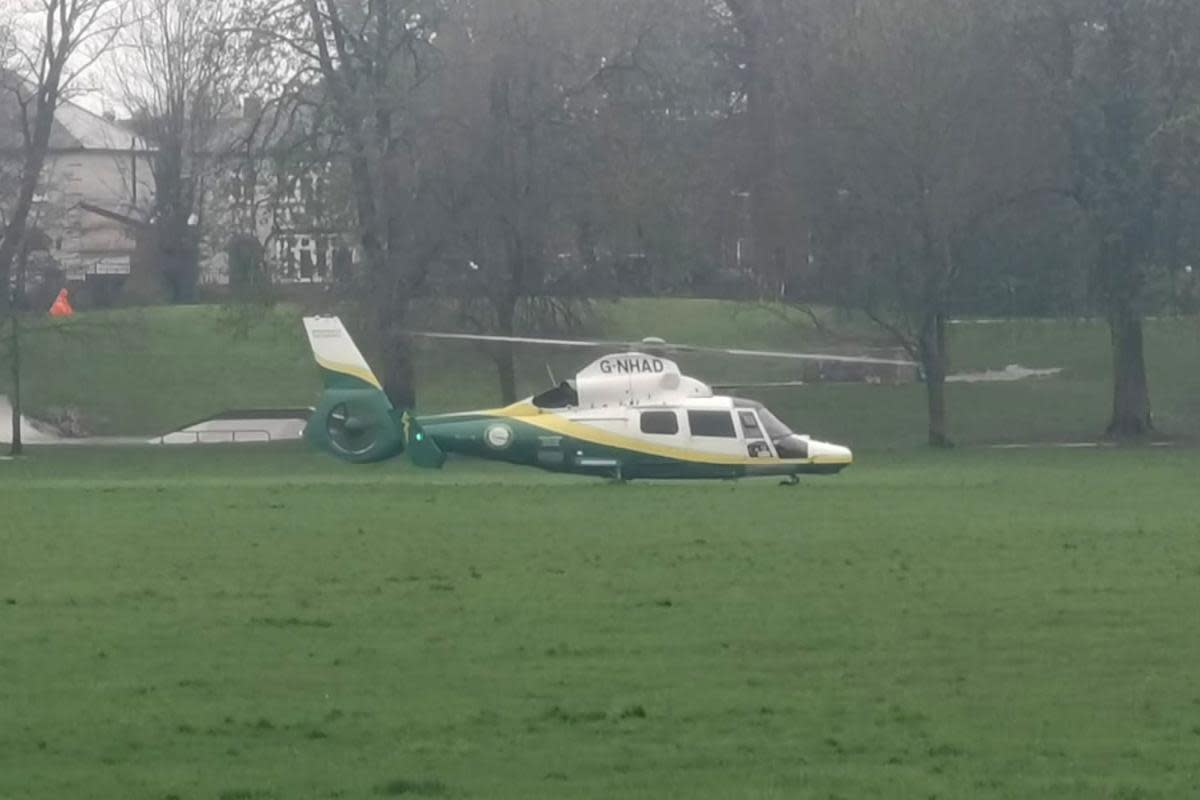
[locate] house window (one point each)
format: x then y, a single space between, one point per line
712 423
660 423
288 253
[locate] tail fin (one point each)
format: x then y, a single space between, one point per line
342 365
354 419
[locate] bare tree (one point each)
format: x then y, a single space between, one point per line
39 68
1125 75
181 68
931 130
43 68
528 82
10 168
773 42
368 59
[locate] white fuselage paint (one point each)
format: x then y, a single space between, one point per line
613 398
635 378
614 390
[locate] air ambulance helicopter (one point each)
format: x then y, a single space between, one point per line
627 415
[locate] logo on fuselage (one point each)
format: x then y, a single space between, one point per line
632 366
498 436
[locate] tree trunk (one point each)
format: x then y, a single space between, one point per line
179 258
503 354
399 380
18 446
357 72
386 311
508 374
18 304
507 299
14 233
935 363
387 302
1131 391
935 391
394 352
31 169
775 224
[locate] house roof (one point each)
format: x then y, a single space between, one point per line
92 132
75 128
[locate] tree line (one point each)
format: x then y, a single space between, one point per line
911 159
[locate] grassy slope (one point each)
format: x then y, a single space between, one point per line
266 623
151 371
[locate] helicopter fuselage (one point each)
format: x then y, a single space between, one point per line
626 415
712 437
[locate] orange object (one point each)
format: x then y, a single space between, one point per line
62 306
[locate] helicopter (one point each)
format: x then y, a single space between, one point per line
627 415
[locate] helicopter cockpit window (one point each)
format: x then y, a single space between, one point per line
661 423
712 423
561 396
774 428
787 444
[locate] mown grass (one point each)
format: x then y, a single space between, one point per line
146 372
268 623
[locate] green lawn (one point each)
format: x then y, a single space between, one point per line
269 623
150 371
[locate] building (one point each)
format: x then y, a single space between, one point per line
266 179
95 205
96 181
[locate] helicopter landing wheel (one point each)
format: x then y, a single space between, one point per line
790 480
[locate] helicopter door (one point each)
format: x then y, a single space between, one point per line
758 444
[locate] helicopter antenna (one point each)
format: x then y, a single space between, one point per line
550 372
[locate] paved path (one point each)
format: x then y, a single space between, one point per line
31 433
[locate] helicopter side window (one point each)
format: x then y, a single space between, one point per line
756 445
712 423
660 423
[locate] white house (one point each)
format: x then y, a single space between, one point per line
97 178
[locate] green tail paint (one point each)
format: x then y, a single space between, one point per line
422 450
354 419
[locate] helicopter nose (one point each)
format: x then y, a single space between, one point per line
829 453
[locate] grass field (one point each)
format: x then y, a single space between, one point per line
266 623
151 371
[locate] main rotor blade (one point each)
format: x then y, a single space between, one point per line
482 337
723 387
891 362
661 345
